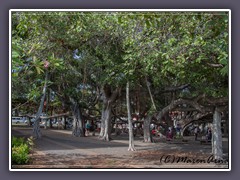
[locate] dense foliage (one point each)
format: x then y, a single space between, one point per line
85 52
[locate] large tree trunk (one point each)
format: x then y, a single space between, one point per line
131 138
36 126
217 135
107 119
78 122
109 98
146 129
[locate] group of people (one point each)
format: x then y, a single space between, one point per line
177 131
169 133
208 134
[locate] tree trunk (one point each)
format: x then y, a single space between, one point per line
131 138
116 127
102 124
138 110
45 125
107 123
36 127
29 121
78 124
150 93
50 123
64 122
16 112
146 129
109 98
217 135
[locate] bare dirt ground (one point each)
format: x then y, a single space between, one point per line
58 149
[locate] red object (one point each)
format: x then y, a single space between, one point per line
153 131
135 117
46 64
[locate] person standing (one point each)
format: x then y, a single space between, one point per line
87 128
196 133
169 134
178 131
209 134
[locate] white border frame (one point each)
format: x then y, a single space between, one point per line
117 10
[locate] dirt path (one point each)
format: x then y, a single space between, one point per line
59 149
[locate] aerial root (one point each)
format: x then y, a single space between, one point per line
131 149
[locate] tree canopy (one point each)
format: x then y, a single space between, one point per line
91 56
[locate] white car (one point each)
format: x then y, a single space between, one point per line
18 120
42 123
32 121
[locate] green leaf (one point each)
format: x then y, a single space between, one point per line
39 70
57 64
198 60
15 54
148 24
119 19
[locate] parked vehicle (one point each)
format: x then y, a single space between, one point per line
18 120
32 121
42 123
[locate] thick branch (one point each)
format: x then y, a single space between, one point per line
215 65
54 116
114 95
177 102
198 117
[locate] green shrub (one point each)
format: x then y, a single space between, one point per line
20 150
17 141
20 154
